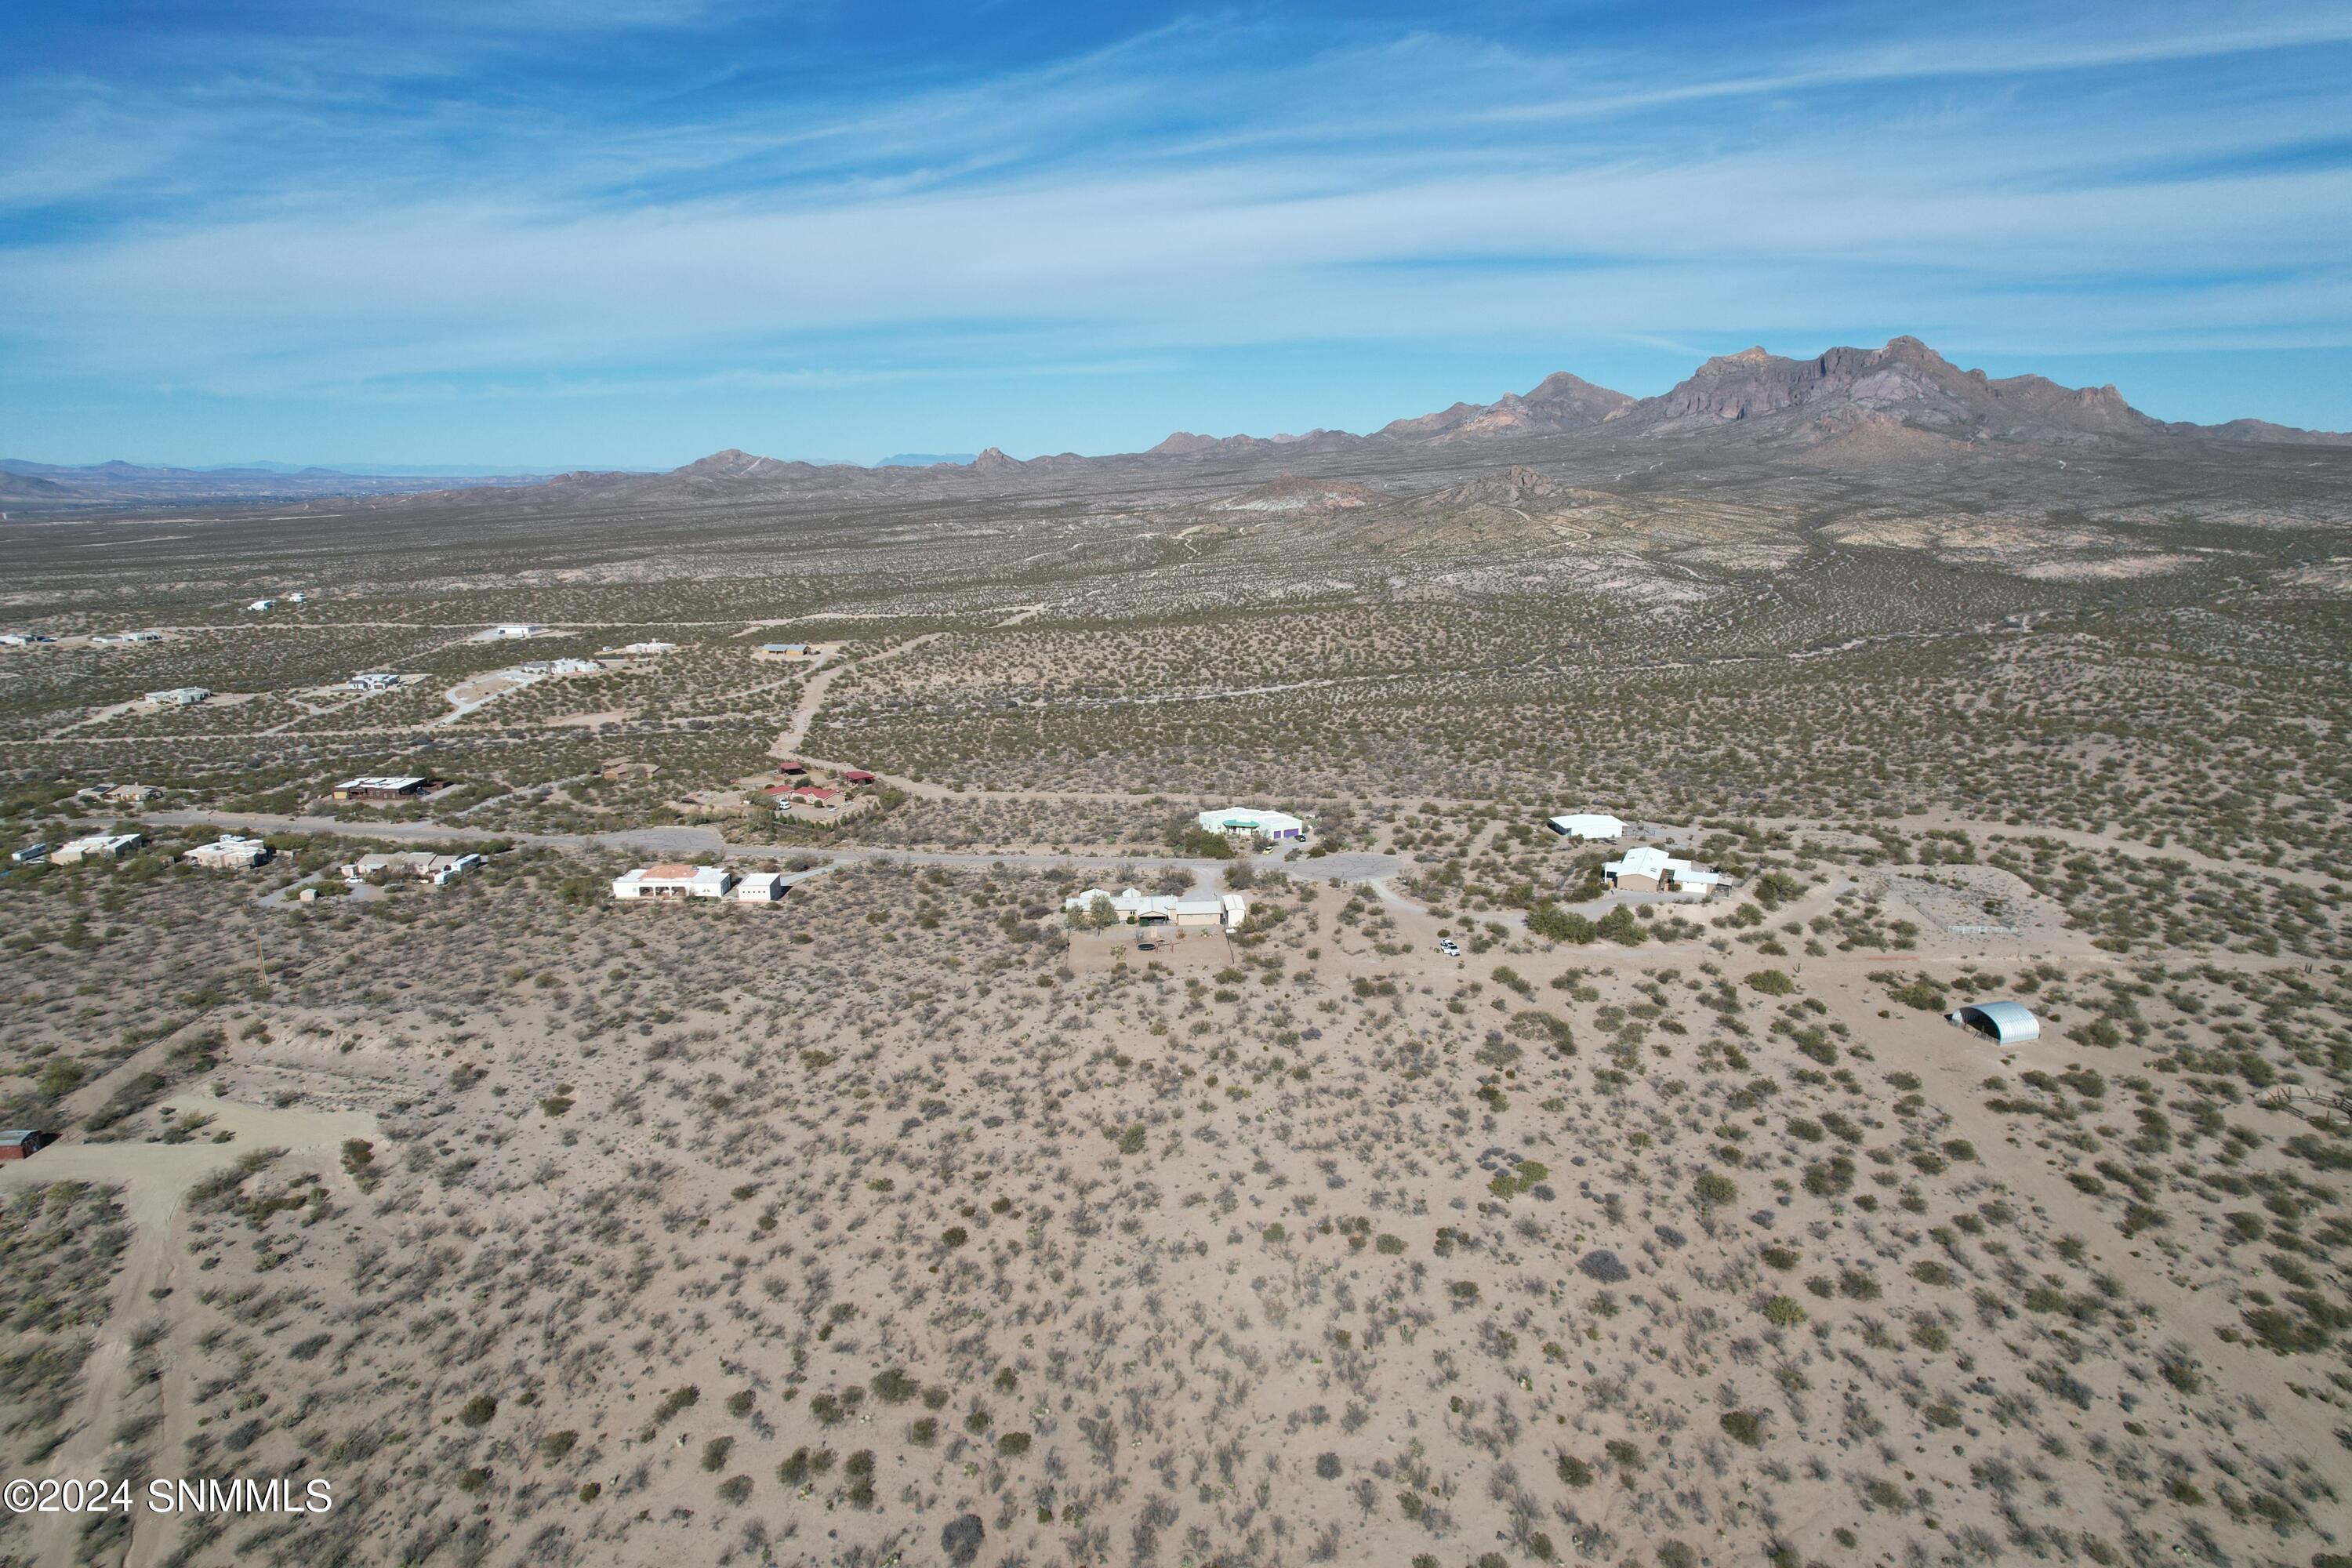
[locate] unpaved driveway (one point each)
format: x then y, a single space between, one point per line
154 1179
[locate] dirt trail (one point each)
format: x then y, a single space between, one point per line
154 1179
788 744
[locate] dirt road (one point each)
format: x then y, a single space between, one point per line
154 1179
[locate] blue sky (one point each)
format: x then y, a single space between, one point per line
555 233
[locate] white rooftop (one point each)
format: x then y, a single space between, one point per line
1250 819
1648 861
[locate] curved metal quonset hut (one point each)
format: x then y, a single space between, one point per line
2011 1023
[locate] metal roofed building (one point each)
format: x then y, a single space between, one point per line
1650 869
2010 1023
1139 908
1588 825
1243 820
179 696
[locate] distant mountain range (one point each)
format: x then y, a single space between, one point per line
1872 406
1878 406
119 482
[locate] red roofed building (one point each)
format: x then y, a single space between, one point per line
815 794
791 770
857 775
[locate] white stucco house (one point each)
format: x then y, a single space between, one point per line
1236 821
1589 824
674 881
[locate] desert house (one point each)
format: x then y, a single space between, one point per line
822 796
785 650
1650 869
2007 1023
179 697
1184 911
642 649
97 847
675 881
1589 825
118 794
375 680
1241 821
263 605
510 630
24 1142
381 787
229 852
422 865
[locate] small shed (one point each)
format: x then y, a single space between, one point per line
857 777
793 770
24 1142
760 888
2010 1023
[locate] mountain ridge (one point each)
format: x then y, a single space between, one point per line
1890 405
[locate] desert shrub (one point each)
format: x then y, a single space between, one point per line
1745 1427
1602 1266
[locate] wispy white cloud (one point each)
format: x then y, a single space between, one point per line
334 233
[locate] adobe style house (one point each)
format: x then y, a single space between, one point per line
230 852
422 865
95 847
